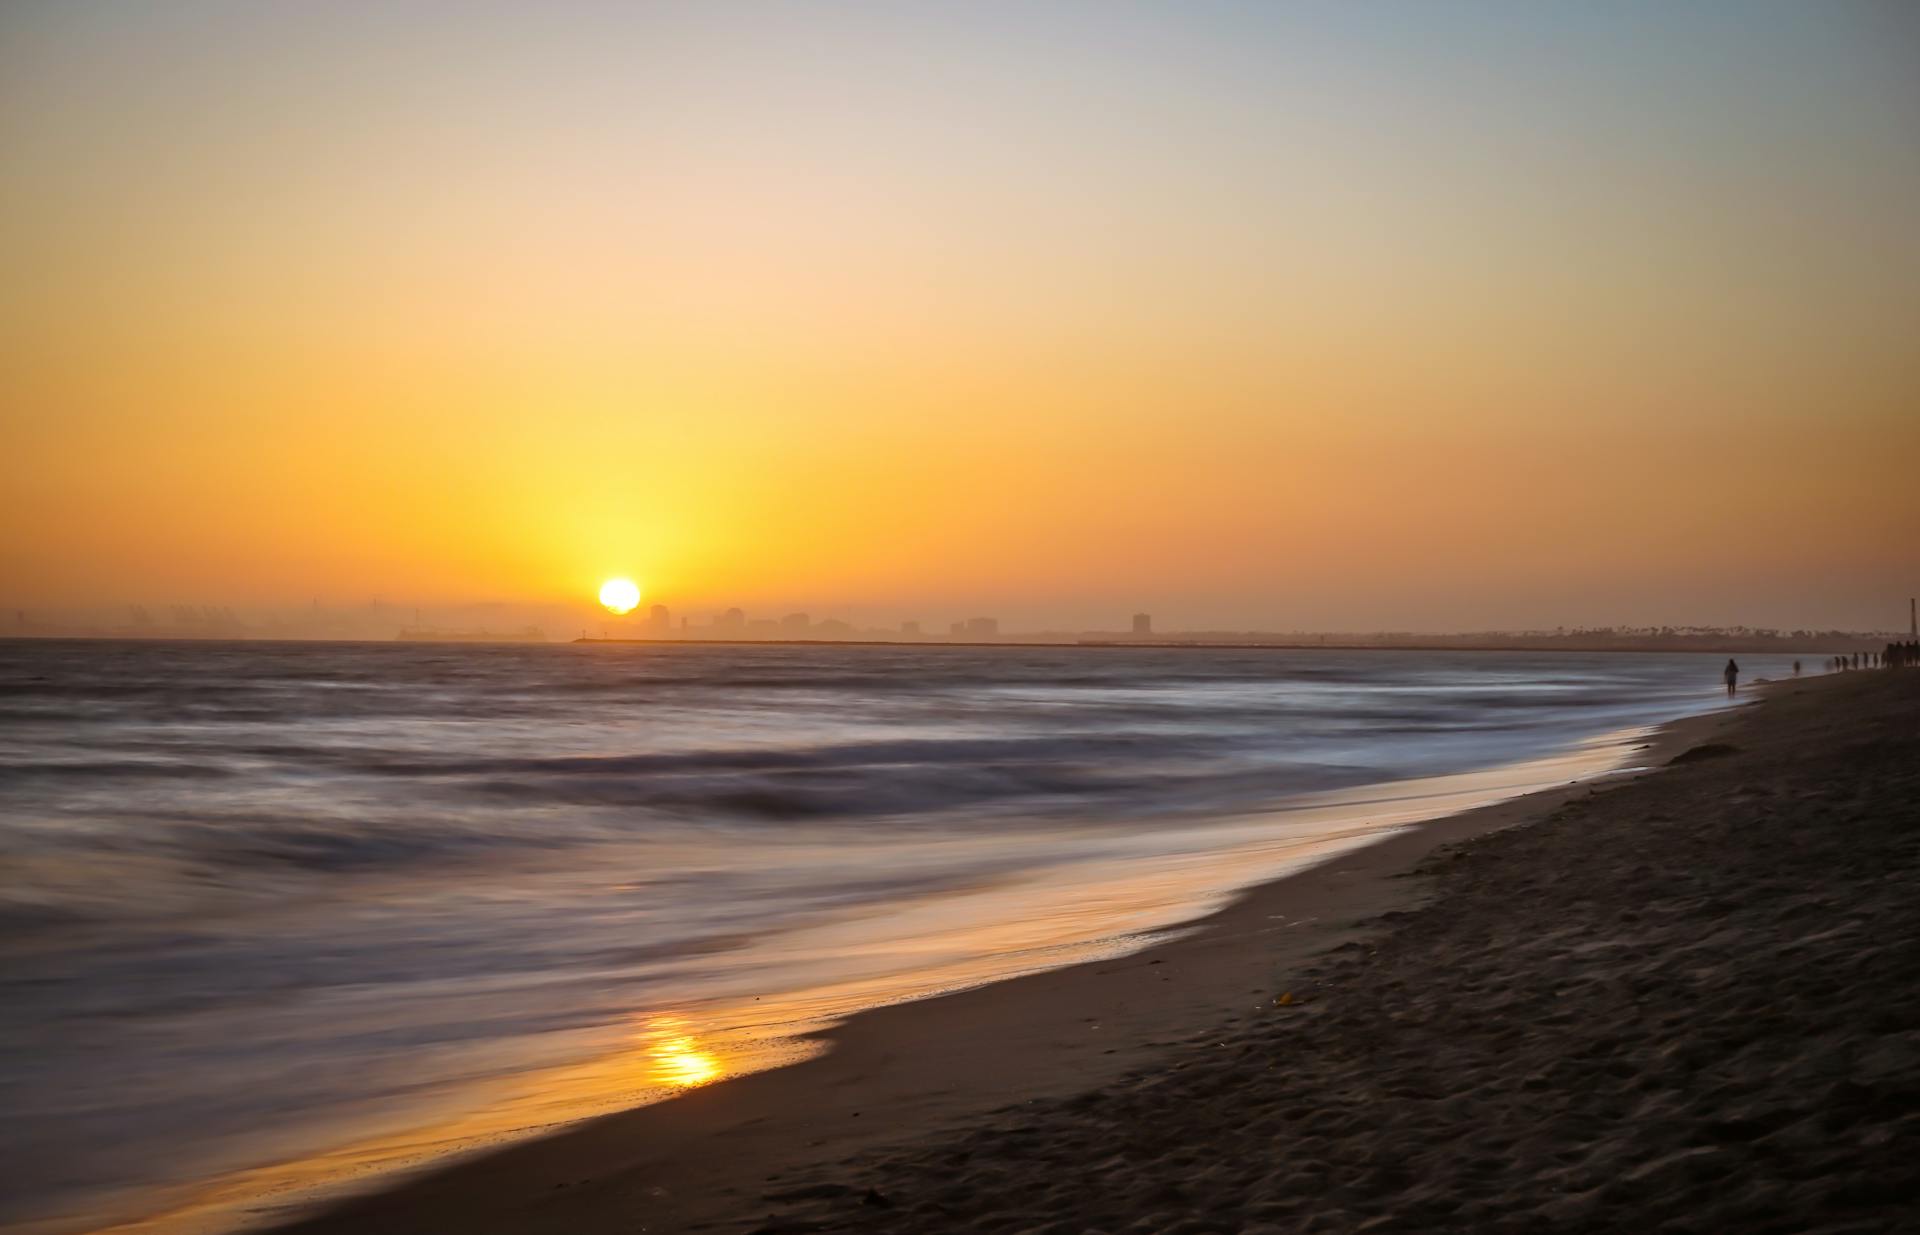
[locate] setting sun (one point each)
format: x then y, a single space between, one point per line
620 595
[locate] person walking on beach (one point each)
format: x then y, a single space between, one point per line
1732 674
1796 668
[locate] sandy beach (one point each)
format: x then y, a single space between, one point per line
1680 1000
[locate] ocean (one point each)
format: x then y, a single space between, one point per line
279 913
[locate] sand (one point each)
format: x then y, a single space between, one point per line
1683 1001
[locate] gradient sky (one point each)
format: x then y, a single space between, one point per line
1416 316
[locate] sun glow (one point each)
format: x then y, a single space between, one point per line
620 595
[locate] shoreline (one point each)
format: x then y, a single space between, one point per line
906 1069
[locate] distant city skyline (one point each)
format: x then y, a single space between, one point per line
379 620
371 617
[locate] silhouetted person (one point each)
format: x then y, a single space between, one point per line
1732 674
1796 668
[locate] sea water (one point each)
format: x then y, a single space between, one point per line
264 904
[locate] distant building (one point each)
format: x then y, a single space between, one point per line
911 629
796 623
833 628
764 627
1142 624
732 619
659 620
958 630
981 628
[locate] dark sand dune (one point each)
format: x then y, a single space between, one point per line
1689 1002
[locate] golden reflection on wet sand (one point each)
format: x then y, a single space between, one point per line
669 1053
676 1055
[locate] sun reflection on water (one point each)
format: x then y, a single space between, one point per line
675 1056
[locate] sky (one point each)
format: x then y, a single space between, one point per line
1418 316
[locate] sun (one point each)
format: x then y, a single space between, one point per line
620 595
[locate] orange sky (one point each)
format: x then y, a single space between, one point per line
1419 318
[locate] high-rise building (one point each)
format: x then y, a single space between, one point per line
910 629
732 619
982 628
1142 624
659 621
796 623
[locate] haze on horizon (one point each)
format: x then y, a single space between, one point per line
1396 316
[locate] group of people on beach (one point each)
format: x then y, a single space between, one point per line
1897 656
1903 655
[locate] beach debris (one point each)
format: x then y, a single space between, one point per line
876 1199
1707 750
1284 1000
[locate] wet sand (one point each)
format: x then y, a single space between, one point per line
1685 999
